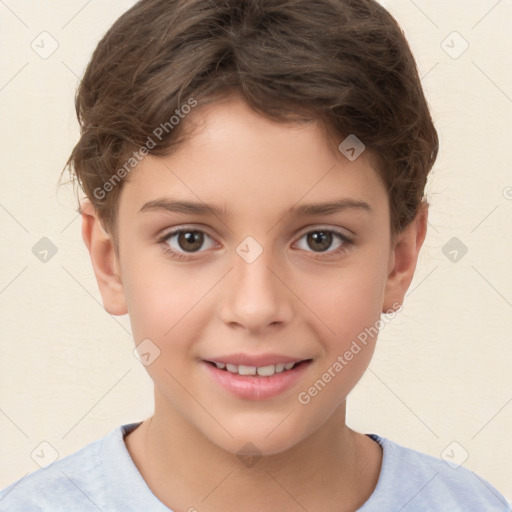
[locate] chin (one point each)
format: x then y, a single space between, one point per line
258 437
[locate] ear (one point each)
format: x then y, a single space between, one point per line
104 260
403 259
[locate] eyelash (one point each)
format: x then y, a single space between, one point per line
344 239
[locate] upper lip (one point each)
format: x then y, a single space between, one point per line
256 360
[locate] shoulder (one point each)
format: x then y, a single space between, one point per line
67 484
414 481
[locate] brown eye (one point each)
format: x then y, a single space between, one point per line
190 240
186 241
327 241
319 240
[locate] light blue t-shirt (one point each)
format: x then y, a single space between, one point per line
102 476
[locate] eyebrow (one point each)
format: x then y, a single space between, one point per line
190 207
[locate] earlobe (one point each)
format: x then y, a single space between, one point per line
403 260
104 260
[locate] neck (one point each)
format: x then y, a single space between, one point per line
333 469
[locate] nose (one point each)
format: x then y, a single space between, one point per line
255 297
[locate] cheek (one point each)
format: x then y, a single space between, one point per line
348 325
349 299
163 300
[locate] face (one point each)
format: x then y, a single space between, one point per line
251 260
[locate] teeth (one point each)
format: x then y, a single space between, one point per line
247 370
266 371
263 371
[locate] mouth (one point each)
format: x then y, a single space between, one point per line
260 371
256 378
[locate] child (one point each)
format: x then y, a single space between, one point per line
288 142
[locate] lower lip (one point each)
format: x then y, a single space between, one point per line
253 387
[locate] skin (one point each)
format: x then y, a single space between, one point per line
293 299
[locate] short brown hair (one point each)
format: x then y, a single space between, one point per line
345 63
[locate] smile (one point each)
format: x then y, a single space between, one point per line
262 371
252 378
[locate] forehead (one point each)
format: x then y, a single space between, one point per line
242 161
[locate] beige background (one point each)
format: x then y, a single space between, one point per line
441 372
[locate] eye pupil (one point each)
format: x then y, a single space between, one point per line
195 240
322 239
